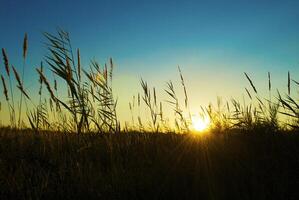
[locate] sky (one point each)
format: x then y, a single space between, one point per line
214 42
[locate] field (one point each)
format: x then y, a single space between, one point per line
74 146
236 165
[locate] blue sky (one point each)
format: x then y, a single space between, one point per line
214 42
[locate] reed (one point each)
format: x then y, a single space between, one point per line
251 83
7 69
91 101
79 64
21 88
91 106
151 105
5 92
5 60
25 48
44 80
181 123
290 106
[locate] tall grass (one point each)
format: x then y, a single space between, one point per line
91 103
11 103
55 165
91 107
290 105
249 152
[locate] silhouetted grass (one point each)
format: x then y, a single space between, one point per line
91 106
237 165
76 149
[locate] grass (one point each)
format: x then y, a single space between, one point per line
76 148
91 106
236 165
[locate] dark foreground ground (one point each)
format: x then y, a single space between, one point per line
248 165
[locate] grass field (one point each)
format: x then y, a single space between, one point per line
238 165
77 148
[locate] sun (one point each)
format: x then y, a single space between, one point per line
200 123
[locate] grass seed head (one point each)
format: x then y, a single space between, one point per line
4 88
25 46
5 60
17 76
47 84
68 70
79 64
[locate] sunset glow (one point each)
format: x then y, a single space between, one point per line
200 123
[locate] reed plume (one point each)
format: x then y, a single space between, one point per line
79 64
248 93
44 79
184 87
55 85
251 83
41 81
25 46
17 76
20 86
6 64
5 59
111 69
68 70
5 92
105 73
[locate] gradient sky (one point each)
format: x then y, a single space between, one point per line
214 42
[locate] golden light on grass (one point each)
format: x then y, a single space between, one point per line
200 123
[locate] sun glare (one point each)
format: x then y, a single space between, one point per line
200 123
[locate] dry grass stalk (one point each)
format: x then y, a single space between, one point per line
17 76
184 87
251 83
161 111
79 64
6 63
41 81
111 68
25 46
248 93
46 83
105 73
5 91
55 85
41 70
5 59
20 85
155 97
68 70
289 83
